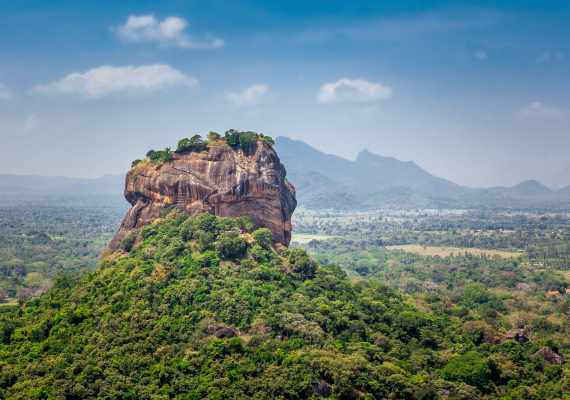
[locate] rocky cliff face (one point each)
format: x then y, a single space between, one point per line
222 180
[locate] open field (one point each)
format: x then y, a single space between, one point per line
446 251
9 303
303 238
566 274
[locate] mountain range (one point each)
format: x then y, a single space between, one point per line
375 181
322 181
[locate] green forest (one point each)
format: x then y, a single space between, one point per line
205 307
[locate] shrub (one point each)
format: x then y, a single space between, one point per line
246 141
206 222
476 296
231 246
260 254
263 237
160 156
213 136
128 242
195 143
267 139
186 230
301 263
205 240
471 368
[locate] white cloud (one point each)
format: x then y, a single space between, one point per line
353 90
170 31
5 93
539 111
249 97
106 80
481 55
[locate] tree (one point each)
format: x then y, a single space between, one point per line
301 263
471 368
263 237
160 156
195 143
231 246
213 136
232 138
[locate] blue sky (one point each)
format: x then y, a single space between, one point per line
476 92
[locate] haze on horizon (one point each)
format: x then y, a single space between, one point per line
476 93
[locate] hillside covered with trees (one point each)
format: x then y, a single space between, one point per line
204 307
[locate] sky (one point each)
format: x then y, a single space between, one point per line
475 92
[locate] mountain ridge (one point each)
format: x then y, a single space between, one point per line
329 181
376 181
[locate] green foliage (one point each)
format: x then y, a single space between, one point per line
231 245
146 325
213 136
477 297
484 297
246 141
188 313
471 368
267 139
39 242
301 263
195 143
263 237
160 156
128 242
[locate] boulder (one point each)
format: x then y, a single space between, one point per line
519 334
550 356
222 331
221 180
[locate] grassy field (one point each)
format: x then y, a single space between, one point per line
303 238
9 303
566 274
444 251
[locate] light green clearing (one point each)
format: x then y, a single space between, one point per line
446 251
303 238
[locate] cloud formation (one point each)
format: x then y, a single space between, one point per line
171 31
5 93
106 80
251 96
539 111
354 91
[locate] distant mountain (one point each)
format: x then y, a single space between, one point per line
322 181
530 188
374 181
378 173
565 191
17 189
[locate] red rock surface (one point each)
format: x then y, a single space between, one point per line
222 181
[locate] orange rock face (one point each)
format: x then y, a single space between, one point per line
222 181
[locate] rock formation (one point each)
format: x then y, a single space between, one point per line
222 180
549 355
